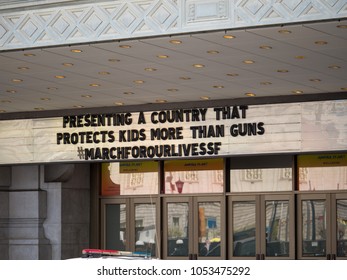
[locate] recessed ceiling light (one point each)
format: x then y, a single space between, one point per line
2 111
128 93
176 42
265 47
250 94
29 54
162 56
11 91
23 68
212 52
86 96
218 86
284 31
104 73
321 43
125 46
139 82
52 88
199 65
341 26
232 74
205 97
228 36
315 80
76 51
299 57
344 88
265 83
94 85
150 69
172 89
248 61
67 64
45 99
185 78
161 101
334 67
60 77
282 71
78 106
119 103
297 91
114 60
39 109
17 80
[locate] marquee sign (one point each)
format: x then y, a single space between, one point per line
176 133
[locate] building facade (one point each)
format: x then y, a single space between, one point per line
194 174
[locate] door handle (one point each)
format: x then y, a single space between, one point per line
331 256
260 257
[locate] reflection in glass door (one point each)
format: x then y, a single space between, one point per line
341 228
322 226
243 228
146 238
262 227
177 229
194 228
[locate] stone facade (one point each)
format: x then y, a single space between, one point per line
26 24
43 218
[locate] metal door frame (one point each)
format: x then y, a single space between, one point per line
193 202
331 220
260 223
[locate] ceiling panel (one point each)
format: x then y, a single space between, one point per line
310 58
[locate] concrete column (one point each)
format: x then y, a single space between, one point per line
44 211
68 213
27 212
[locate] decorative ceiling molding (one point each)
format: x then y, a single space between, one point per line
117 20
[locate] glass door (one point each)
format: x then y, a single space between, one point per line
261 227
322 226
115 224
193 227
131 224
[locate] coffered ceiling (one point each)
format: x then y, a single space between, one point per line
262 62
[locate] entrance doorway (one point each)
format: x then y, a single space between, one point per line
322 221
131 224
193 227
261 226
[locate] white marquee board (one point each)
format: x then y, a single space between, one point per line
213 131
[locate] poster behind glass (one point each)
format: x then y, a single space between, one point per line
194 176
129 178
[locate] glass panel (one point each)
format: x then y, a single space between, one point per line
115 226
129 178
314 228
177 239
244 229
145 228
256 180
342 228
277 228
194 176
209 228
322 172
